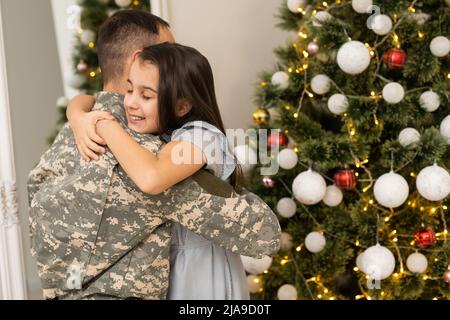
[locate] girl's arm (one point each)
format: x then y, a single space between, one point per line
82 122
153 174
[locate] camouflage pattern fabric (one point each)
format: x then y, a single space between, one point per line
94 232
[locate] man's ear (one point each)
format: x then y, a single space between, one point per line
135 55
183 108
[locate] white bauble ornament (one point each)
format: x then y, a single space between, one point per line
256 266
123 3
381 24
353 57
286 241
315 242
338 103
408 136
417 263
393 93
359 261
321 17
391 190
76 80
287 159
309 187
421 18
287 292
286 207
87 36
254 283
62 101
294 5
445 128
378 262
246 157
433 183
333 196
321 84
429 101
440 46
280 79
313 47
361 6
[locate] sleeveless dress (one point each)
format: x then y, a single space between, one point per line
199 268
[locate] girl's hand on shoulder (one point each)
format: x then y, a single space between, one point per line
84 128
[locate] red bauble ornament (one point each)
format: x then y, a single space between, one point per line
277 139
345 179
268 182
425 238
394 59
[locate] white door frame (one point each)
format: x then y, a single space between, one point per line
160 8
12 271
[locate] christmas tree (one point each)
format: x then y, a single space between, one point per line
87 75
361 96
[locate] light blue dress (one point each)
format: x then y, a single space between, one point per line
199 268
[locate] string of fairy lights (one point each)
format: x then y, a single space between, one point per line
384 215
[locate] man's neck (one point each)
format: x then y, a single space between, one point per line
115 88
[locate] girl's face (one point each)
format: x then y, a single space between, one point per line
141 100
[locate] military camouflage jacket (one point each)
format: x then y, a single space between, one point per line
93 231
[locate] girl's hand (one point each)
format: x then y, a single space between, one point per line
84 129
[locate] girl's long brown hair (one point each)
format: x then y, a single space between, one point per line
184 73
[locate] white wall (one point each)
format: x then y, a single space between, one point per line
238 38
65 39
34 82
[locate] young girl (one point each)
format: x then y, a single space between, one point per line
171 93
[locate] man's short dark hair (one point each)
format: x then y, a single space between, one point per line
123 33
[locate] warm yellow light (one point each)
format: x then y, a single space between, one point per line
412 242
387 219
352 132
325 290
369 298
91 45
444 207
319 296
331 298
290 70
92 74
435 298
296 115
396 275
422 208
357 174
263 84
448 75
411 9
445 231
420 34
298 248
425 277
359 296
256 280
383 293
305 66
303 35
305 54
436 259
371 201
136 2
80 31
325 4
395 239
394 232
310 95
283 262
372 93
412 174
433 210
365 208
357 243
356 269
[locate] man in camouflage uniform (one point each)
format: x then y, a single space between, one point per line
94 233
